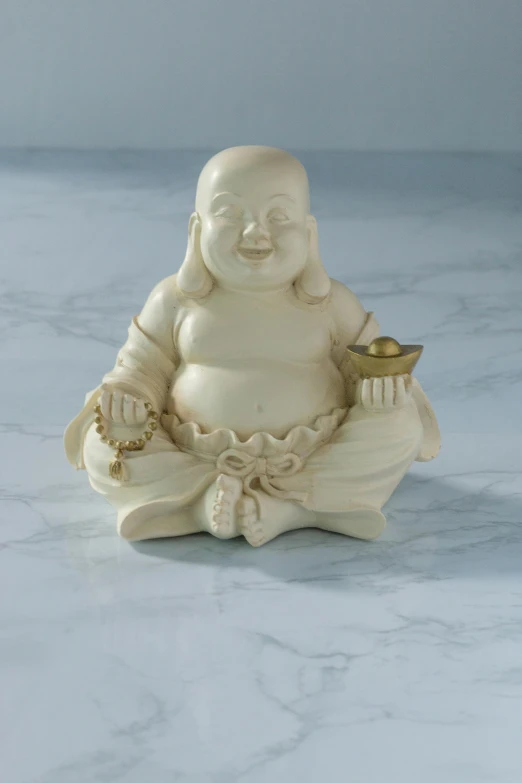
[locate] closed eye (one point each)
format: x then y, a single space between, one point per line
278 216
230 212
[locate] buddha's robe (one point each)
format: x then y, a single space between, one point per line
348 460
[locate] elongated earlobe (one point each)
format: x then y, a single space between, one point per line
313 285
193 279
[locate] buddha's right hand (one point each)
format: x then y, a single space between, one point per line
378 395
121 407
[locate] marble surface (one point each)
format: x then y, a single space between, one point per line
316 657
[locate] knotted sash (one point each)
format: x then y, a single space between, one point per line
237 463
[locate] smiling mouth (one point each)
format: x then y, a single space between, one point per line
255 254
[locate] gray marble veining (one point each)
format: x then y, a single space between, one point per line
315 657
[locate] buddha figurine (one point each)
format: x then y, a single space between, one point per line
237 406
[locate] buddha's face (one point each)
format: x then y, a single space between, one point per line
253 213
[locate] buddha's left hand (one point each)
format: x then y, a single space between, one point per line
384 394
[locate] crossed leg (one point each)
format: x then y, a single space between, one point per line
347 481
215 512
168 492
281 516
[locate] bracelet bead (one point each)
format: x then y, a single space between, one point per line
116 468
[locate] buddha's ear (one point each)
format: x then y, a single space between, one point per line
193 279
313 285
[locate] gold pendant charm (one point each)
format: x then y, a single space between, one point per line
117 470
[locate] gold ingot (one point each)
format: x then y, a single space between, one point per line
384 346
383 357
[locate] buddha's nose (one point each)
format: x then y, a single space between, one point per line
255 236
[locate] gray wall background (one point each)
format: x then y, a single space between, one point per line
320 74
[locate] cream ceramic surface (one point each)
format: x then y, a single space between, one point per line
317 656
259 424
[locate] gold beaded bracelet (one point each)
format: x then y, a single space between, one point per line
116 467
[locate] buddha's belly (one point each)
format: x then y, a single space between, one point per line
262 397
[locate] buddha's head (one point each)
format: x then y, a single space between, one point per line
252 230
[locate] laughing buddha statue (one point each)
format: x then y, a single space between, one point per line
237 405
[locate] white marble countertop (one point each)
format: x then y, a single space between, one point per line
317 657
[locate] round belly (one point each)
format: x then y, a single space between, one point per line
265 397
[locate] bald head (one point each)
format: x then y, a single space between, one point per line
252 215
265 170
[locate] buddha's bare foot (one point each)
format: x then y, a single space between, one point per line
222 514
249 524
277 517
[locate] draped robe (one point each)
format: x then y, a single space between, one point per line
347 460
